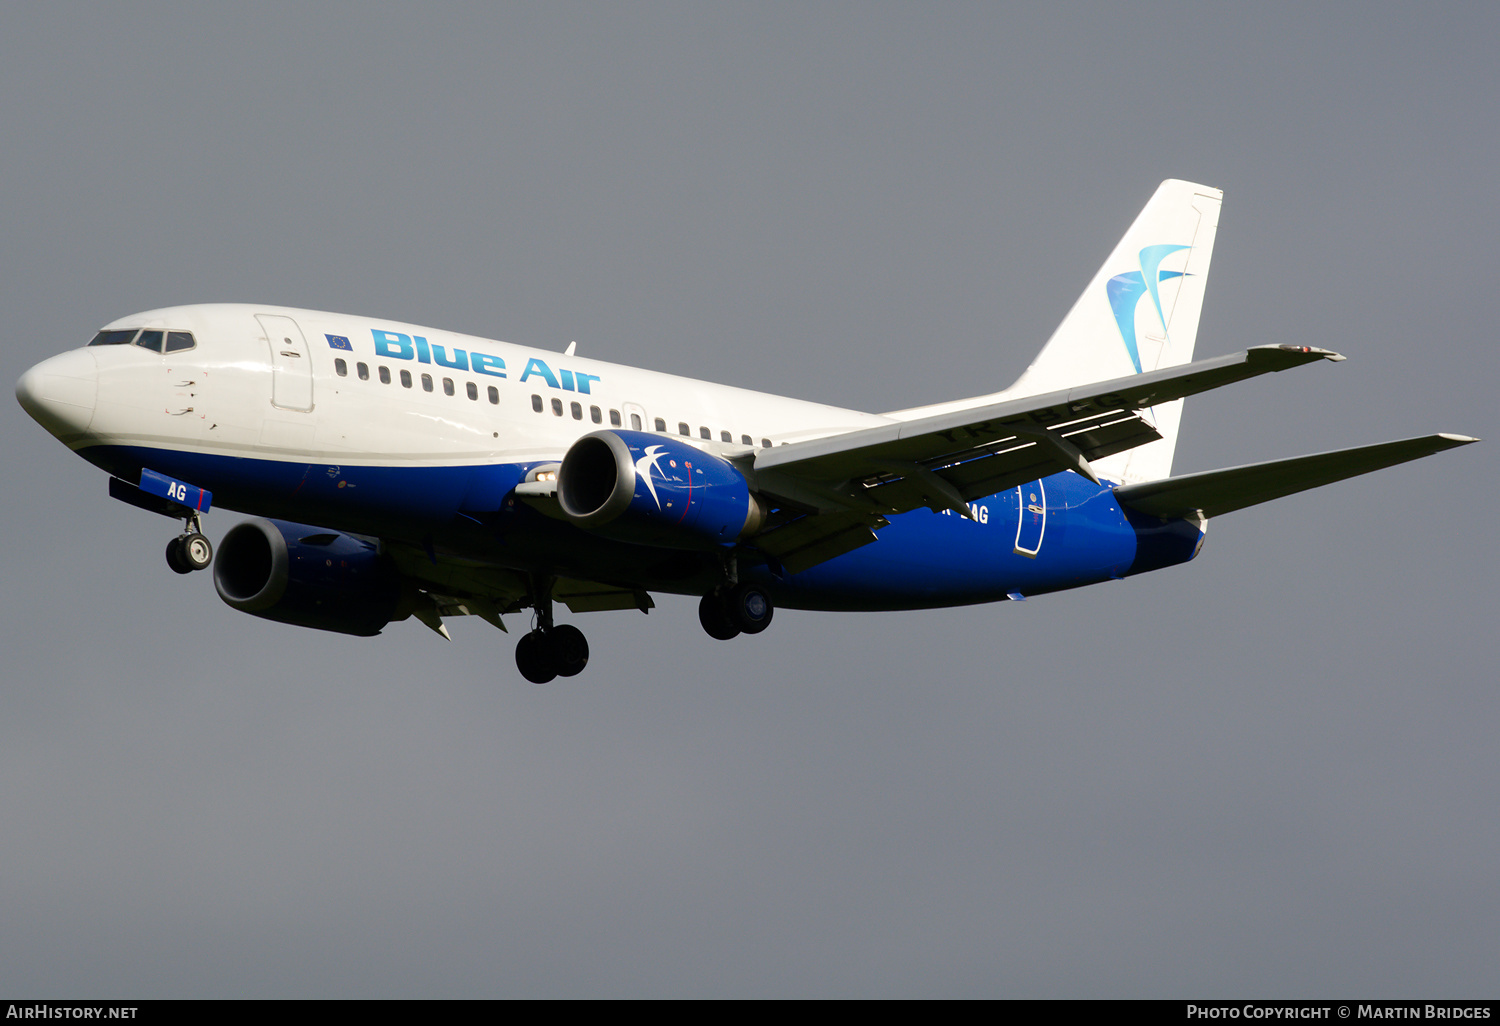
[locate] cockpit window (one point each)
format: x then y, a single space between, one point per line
117 337
156 341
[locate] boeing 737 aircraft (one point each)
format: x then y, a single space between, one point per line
409 472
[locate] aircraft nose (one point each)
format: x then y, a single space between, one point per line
60 393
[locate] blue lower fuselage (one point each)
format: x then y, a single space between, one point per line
1061 532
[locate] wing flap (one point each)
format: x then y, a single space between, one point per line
1215 492
594 596
1016 460
458 587
979 450
840 457
810 540
1101 416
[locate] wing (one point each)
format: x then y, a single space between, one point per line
840 489
449 585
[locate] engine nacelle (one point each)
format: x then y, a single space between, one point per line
307 576
655 489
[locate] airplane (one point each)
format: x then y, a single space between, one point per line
397 471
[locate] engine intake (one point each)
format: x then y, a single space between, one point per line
655 489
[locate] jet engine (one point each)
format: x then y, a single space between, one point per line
307 576
655 489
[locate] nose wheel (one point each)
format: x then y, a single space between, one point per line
190 550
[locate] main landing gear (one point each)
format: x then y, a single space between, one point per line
551 651
190 550
739 609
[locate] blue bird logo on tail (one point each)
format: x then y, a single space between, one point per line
1125 292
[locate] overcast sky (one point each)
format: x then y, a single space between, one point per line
1273 771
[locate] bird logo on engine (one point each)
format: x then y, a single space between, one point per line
646 464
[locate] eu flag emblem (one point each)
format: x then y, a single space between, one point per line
338 342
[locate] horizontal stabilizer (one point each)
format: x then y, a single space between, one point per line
1216 492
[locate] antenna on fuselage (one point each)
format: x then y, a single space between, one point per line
571 346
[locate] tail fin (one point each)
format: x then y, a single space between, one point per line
1139 313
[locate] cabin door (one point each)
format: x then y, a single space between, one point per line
291 363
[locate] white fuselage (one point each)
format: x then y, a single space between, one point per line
269 383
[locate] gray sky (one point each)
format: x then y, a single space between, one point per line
1270 772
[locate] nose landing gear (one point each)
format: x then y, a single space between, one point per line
190 550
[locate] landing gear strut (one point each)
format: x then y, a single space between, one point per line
190 550
743 608
551 651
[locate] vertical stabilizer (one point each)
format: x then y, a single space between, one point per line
1139 313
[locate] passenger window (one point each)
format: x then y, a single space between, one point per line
494 396
557 407
536 403
683 429
577 410
704 432
427 382
635 421
614 419
177 341
745 440
765 443
661 425
385 375
363 371
150 340
595 415
725 436
447 386
405 378
118 337
473 390
340 367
